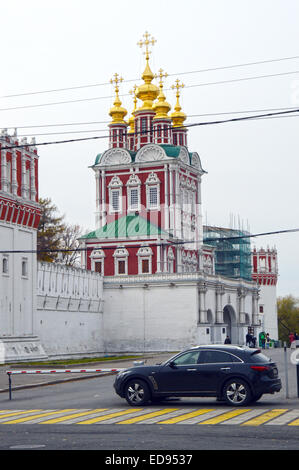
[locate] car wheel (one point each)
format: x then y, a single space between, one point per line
237 392
137 392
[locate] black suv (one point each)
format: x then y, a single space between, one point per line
235 374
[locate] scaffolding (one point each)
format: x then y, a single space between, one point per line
232 256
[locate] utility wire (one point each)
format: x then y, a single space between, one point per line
136 79
91 131
221 82
169 242
207 123
88 131
222 113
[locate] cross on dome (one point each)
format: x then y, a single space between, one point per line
178 117
147 41
117 112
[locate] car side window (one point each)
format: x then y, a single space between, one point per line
214 357
190 357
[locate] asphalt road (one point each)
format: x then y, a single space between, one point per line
120 434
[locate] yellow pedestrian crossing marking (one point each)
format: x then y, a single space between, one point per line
264 417
35 416
108 416
6 413
224 416
72 416
185 416
155 415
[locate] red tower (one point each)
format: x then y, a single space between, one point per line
19 219
148 200
264 266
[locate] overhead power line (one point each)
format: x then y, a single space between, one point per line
93 85
207 123
81 100
65 250
221 113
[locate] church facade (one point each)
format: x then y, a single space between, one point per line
161 288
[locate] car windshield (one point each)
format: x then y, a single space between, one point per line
170 359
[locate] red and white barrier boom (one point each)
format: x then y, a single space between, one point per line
56 371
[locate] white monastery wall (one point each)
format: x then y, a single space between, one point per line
154 318
69 314
171 312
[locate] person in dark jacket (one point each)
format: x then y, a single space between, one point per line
227 340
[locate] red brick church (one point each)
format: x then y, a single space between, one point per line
148 187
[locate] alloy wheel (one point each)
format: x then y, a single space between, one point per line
137 393
237 393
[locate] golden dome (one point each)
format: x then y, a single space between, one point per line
161 107
178 117
147 92
117 112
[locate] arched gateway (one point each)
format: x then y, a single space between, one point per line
230 321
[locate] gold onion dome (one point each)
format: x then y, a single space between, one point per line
178 117
117 112
147 92
161 107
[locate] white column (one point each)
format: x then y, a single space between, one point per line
4 171
14 182
202 314
172 200
158 258
219 307
166 196
23 184
103 211
32 180
97 178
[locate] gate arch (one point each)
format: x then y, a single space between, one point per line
230 320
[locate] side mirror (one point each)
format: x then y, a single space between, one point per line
172 365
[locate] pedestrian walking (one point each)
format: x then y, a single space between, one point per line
262 339
267 341
227 340
248 339
291 338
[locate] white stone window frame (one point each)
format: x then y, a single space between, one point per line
120 254
170 260
24 268
145 253
133 184
152 182
97 255
5 265
115 186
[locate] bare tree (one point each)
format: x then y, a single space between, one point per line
69 241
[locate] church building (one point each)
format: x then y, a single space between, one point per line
160 283
148 188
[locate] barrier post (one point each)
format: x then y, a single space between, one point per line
9 384
286 369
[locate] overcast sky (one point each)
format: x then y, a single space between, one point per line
252 166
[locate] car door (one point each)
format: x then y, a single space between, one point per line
179 375
214 367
